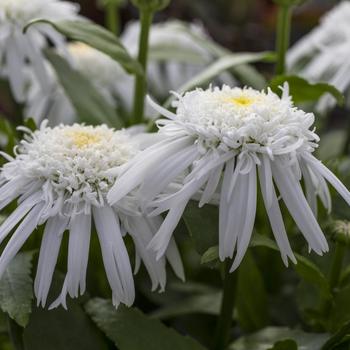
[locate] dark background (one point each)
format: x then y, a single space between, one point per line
241 25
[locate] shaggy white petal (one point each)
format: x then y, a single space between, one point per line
115 256
19 237
49 250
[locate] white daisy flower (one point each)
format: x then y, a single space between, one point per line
53 104
322 55
61 176
175 35
17 48
217 141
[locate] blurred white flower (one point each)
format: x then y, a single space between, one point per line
61 176
19 50
217 140
53 104
178 51
323 54
189 55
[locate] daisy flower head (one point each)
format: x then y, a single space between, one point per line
18 48
60 177
322 55
215 147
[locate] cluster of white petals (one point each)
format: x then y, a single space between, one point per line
214 148
322 55
21 51
61 176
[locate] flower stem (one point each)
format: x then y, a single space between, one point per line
112 17
283 37
146 18
336 266
222 333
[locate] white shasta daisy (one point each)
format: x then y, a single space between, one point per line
18 49
61 176
218 140
322 55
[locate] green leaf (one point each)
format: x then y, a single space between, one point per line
304 267
225 63
287 344
96 37
338 337
246 73
251 302
130 329
172 52
266 338
200 304
59 329
303 91
202 224
340 308
16 291
89 105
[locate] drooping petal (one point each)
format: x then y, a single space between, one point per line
19 237
273 210
249 218
297 205
115 256
49 250
18 214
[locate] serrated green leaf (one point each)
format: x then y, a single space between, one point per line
267 337
303 91
97 37
59 329
251 302
130 329
89 105
16 288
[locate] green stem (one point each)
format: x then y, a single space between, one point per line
347 141
146 18
283 37
223 327
112 17
334 278
15 333
336 266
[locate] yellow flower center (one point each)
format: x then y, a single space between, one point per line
83 139
243 101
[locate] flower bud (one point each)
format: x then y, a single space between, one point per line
341 231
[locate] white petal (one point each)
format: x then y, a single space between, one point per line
318 167
115 256
250 211
18 214
274 212
78 253
49 249
147 165
297 205
22 233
